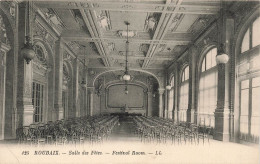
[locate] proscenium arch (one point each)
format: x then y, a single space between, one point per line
101 73
121 82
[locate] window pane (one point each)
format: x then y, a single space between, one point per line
256 33
255 101
255 61
213 57
37 98
245 42
244 84
256 82
208 60
172 82
255 119
187 73
244 111
203 66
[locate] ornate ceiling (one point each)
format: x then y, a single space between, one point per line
160 30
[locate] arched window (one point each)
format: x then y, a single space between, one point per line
38 86
171 99
184 94
208 89
249 83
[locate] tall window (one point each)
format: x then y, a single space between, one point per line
184 94
37 102
249 83
208 89
171 99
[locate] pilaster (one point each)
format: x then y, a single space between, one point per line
91 100
58 112
75 78
192 85
161 91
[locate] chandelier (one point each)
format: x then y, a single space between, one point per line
126 76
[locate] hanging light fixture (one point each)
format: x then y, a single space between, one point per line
168 87
126 76
27 51
221 57
126 90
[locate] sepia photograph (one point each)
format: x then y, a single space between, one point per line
129 81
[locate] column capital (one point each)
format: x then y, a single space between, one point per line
91 90
161 91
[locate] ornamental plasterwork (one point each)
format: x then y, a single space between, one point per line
175 21
203 21
74 46
123 33
93 46
161 47
66 77
40 31
243 10
150 24
3 35
40 55
52 18
10 8
104 20
66 56
144 47
111 46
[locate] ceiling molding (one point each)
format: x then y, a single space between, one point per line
93 33
192 8
161 29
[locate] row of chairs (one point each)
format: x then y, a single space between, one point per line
73 130
160 130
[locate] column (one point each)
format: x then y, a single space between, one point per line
91 100
222 113
3 50
84 112
169 112
176 93
161 91
192 85
75 79
58 111
24 75
149 103
166 95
